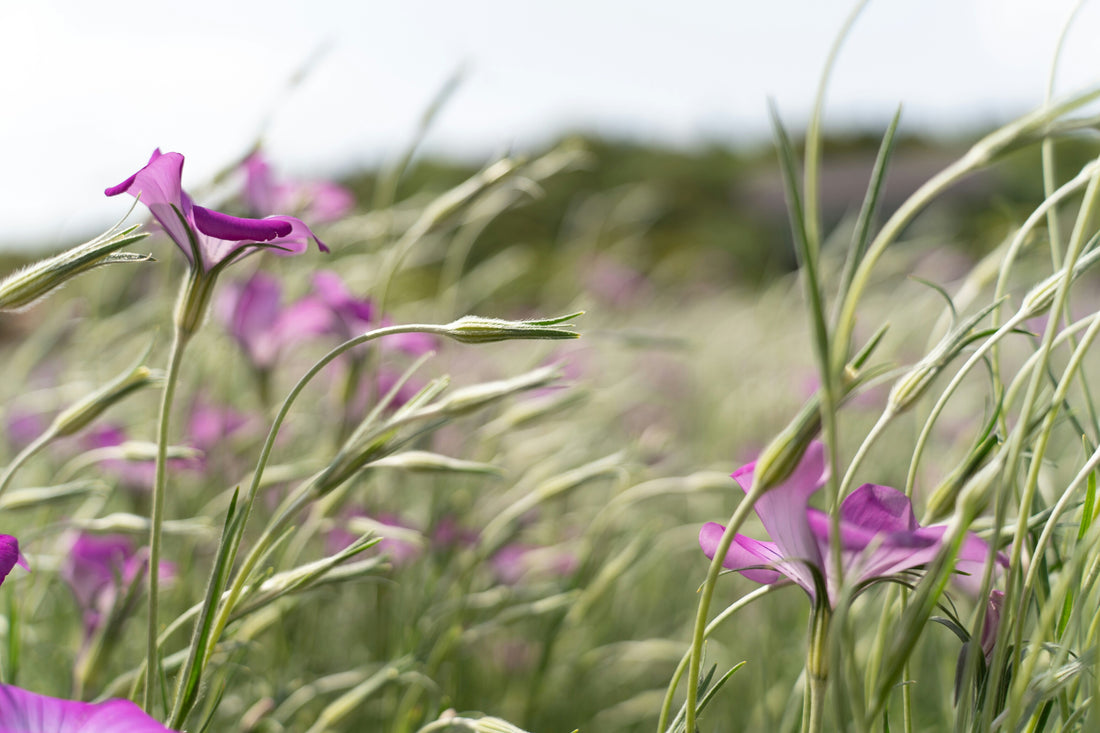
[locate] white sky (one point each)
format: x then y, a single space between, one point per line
88 89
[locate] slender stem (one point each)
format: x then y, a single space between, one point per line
705 596
25 455
817 671
179 342
666 708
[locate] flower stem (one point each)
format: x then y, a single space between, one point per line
706 594
152 666
817 669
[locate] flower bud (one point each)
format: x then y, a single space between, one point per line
475 330
76 417
27 286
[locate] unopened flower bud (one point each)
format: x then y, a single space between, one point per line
475 330
27 286
76 417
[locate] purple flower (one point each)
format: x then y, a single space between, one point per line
211 424
400 551
321 201
354 316
133 474
27 712
996 604
879 534
208 238
97 568
24 426
254 315
511 563
9 558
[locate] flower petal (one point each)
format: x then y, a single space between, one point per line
233 228
9 555
745 555
159 187
26 712
783 512
879 508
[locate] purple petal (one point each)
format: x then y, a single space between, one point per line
971 564
878 508
783 512
259 185
26 712
93 563
331 289
745 555
248 312
297 240
159 187
9 555
233 228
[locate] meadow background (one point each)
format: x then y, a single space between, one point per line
538 558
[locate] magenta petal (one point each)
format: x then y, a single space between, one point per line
223 226
158 185
745 555
9 555
297 239
26 712
783 512
971 564
879 508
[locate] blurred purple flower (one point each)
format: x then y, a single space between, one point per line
354 316
98 568
511 563
26 712
448 534
614 283
254 315
320 201
134 474
400 551
24 426
208 238
9 558
879 534
211 424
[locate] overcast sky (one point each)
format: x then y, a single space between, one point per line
88 89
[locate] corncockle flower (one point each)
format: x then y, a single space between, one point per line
209 239
26 712
879 534
255 317
97 568
9 558
321 201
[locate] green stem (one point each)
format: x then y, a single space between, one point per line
817 670
25 455
705 596
666 708
179 342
